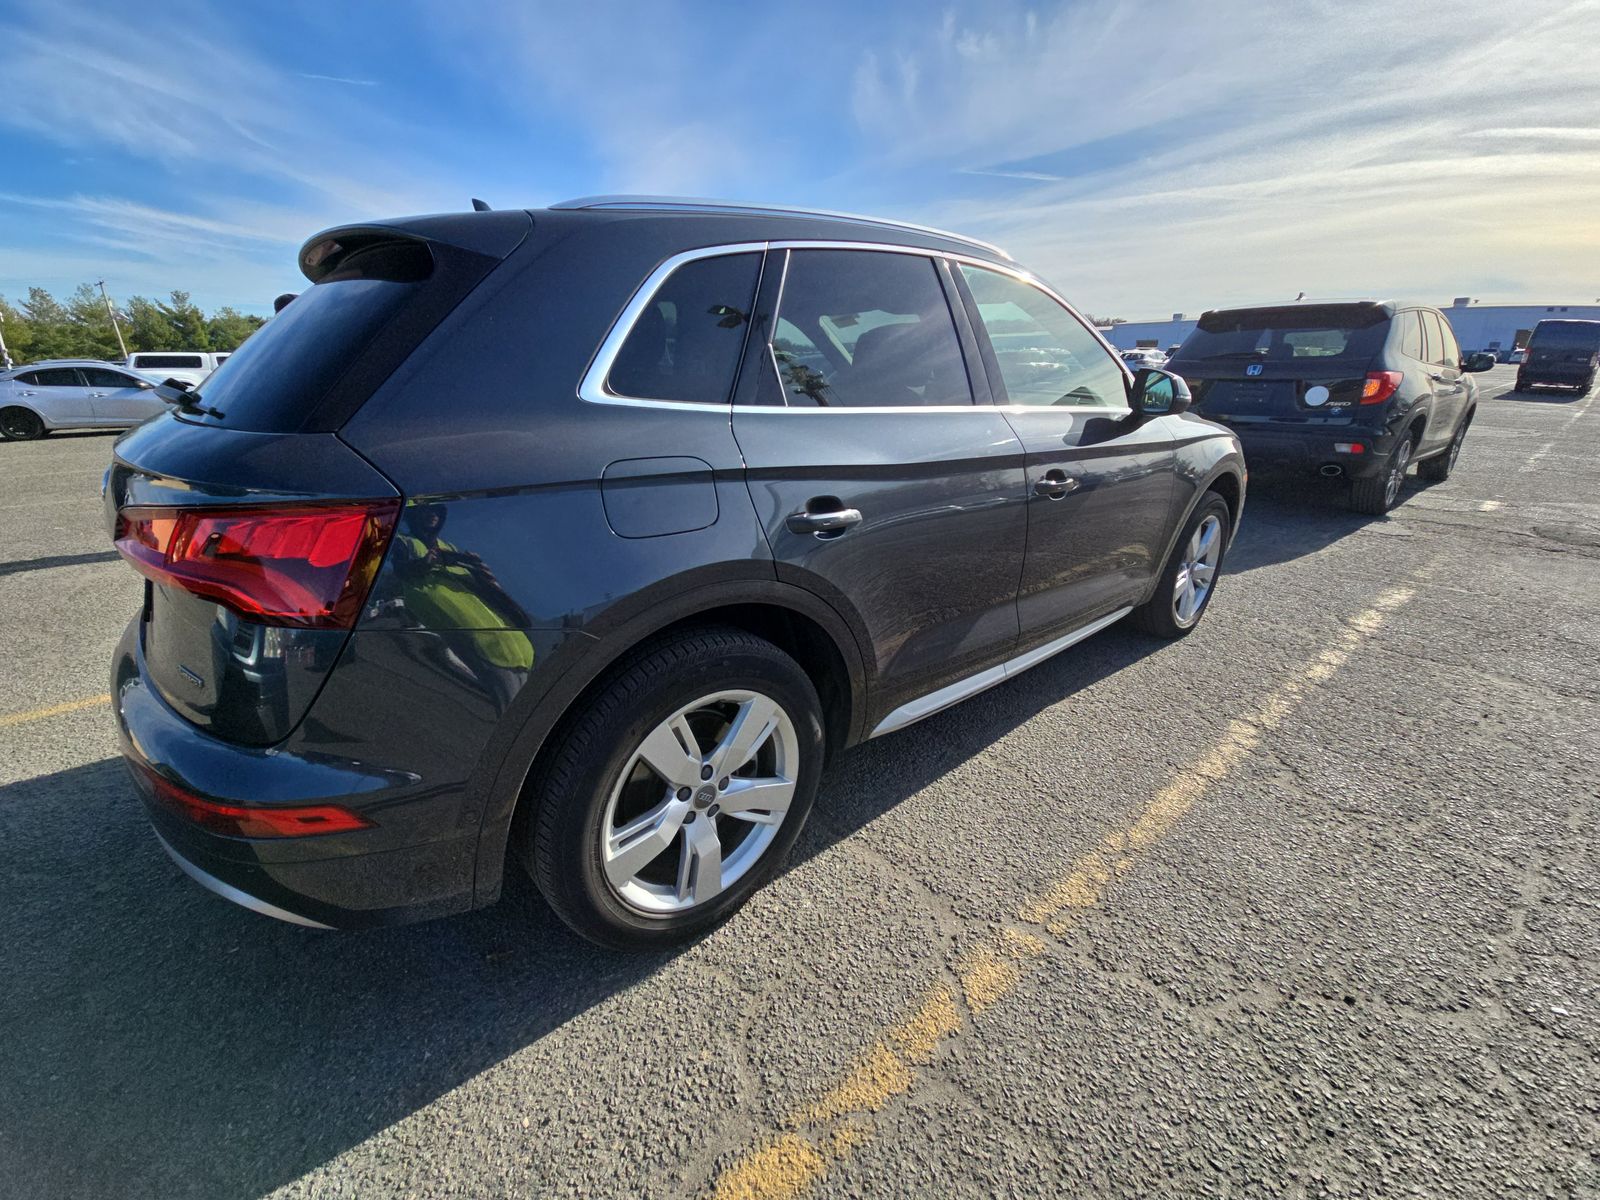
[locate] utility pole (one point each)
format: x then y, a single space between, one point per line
112 313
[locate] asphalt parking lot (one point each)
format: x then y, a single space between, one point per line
1304 905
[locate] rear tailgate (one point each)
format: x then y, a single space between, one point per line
257 528
239 675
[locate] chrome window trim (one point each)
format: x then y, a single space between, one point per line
913 711
596 390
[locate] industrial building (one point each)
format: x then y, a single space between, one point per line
1477 326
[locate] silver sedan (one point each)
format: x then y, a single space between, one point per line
73 394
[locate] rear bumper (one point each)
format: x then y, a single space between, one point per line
335 881
1276 448
1551 377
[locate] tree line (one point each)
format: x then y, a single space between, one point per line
42 327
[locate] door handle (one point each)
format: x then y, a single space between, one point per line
824 524
1055 484
1436 376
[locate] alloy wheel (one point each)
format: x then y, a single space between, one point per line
1198 571
1397 472
699 802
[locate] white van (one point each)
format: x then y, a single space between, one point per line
191 366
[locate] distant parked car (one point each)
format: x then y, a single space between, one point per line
1561 354
73 394
1517 355
1354 390
1144 356
191 366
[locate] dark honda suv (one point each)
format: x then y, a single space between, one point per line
1561 354
580 537
1354 390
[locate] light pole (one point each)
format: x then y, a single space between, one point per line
112 313
5 355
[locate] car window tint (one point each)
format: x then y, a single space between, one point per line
31 378
57 377
867 329
1433 337
1452 351
1046 355
1411 336
102 378
685 345
169 361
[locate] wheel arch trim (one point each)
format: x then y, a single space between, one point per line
509 774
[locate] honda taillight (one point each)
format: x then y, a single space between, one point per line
253 821
1380 385
307 565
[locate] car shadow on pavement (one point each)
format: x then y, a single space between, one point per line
159 1041
1545 397
1286 519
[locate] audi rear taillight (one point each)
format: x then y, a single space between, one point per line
1379 386
250 820
305 565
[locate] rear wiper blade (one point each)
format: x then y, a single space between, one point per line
1235 354
186 398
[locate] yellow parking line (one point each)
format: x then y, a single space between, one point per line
55 710
819 1135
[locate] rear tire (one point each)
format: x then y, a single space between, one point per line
20 425
1437 469
1377 495
601 780
1174 611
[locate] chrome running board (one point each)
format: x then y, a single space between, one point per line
954 693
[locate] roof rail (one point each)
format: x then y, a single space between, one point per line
696 204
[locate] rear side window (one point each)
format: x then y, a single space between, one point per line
1046 355
866 329
685 345
1450 352
1306 334
179 362
1411 336
54 377
286 367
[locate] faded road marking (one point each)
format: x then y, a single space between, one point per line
817 1136
1490 506
55 710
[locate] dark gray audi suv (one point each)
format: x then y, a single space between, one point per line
580 537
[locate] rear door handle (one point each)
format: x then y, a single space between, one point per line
834 521
1436 376
1055 484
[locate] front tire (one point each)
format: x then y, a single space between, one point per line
20 425
1377 495
1190 578
647 832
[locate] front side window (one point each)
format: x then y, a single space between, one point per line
1046 355
1452 351
685 344
99 377
1434 338
866 329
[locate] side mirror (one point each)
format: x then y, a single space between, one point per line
1481 361
1158 393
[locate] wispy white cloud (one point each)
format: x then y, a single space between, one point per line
339 79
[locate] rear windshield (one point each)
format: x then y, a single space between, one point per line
1566 335
1323 332
285 368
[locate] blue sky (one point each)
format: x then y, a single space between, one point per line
1147 157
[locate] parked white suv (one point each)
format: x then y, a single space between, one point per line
191 366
